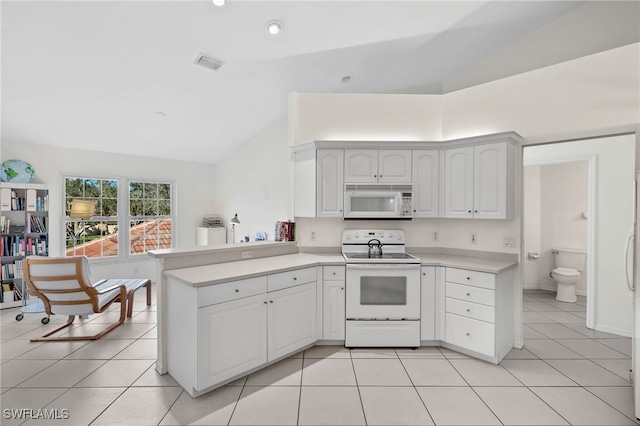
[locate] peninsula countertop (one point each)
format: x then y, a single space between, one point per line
199 276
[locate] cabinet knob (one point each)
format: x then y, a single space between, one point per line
468 211
468 278
270 301
295 278
341 288
468 334
237 291
265 302
468 294
468 310
375 175
475 211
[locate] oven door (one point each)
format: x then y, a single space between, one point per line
383 291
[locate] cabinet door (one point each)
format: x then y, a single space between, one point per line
333 310
232 338
428 303
490 181
394 166
361 165
459 182
425 183
330 181
291 319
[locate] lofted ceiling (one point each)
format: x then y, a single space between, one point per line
119 76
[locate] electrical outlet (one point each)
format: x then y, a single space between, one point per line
312 235
247 254
505 241
474 238
435 236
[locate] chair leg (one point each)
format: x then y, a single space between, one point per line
45 337
147 285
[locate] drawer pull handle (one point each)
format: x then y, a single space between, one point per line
237 291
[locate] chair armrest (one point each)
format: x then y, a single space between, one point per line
113 287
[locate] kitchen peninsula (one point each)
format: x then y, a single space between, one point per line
221 317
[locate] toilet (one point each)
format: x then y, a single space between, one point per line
569 264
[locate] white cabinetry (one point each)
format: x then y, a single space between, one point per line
291 320
479 181
426 181
377 166
319 183
479 313
219 332
428 303
333 310
232 339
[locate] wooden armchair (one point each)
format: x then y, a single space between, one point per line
64 285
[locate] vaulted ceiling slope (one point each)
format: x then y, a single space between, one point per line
119 76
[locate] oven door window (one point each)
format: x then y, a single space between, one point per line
388 291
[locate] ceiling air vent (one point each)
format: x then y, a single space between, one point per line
208 62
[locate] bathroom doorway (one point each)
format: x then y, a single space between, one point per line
579 195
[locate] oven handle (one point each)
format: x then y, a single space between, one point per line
391 266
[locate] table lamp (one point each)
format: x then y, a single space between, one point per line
234 220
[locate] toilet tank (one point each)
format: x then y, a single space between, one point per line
569 258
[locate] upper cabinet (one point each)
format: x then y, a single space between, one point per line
319 183
479 181
377 166
426 181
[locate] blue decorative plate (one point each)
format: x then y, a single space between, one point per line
16 171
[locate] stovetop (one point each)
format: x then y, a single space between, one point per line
355 246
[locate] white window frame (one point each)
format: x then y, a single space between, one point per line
128 218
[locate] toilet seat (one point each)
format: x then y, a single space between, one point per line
566 272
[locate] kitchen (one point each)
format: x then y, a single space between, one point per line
579 91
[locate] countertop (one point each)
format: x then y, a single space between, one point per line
199 276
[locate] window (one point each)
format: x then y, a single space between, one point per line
150 216
97 236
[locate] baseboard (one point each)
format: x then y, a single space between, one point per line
611 330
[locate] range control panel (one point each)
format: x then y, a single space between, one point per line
362 236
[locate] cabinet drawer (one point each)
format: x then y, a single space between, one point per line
471 310
219 293
333 273
290 279
471 334
478 279
471 294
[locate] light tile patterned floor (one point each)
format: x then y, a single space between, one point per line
566 374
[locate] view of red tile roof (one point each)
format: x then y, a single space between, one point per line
152 235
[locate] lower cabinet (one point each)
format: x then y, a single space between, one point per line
222 331
232 338
291 320
479 312
428 303
333 306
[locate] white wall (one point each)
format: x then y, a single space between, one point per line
253 181
615 164
194 190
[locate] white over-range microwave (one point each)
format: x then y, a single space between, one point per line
373 201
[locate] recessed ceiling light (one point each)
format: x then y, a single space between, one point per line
274 27
346 79
218 2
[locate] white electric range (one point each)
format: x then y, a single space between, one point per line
382 289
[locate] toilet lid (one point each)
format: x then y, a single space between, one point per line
566 272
